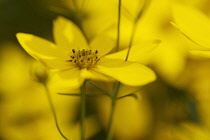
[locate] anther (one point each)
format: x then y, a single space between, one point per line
90 52
84 58
83 52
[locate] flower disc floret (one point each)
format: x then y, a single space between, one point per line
84 58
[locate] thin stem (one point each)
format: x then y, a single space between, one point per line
114 96
70 94
87 94
83 102
103 91
54 112
134 27
131 41
128 95
113 106
118 26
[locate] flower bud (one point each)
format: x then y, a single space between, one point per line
39 72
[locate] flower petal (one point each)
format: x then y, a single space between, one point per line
137 53
60 64
103 44
107 62
67 35
94 75
193 23
128 73
169 60
38 47
125 90
66 80
200 53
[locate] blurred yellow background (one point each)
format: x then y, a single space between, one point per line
174 107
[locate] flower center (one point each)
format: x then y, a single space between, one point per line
84 58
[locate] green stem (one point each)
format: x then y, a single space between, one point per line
103 91
134 27
131 41
83 102
54 112
114 96
70 94
111 119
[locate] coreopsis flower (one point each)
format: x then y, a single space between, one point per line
73 60
155 24
195 26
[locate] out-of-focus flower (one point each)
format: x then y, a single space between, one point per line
39 72
93 17
194 25
170 56
132 117
74 61
23 102
184 131
195 79
97 16
154 23
189 131
13 66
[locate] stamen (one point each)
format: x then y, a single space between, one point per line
84 58
73 50
83 52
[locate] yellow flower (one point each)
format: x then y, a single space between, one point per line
128 116
194 25
155 24
73 60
